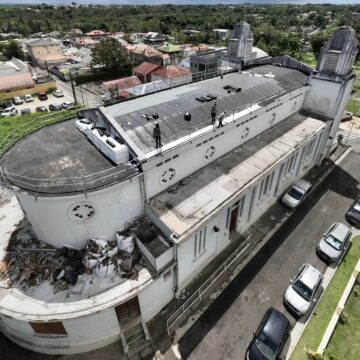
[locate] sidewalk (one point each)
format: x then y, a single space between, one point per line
257 236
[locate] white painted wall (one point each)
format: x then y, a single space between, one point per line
114 206
155 296
192 157
84 334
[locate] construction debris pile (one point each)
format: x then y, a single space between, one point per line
30 261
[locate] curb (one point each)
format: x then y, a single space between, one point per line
339 309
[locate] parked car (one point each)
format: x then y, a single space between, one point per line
270 337
58 93
353 214
28 98
55 107
301 292
41 108
42 96
6 104
296 194
17 100
334 243
25 111
67 105
10 111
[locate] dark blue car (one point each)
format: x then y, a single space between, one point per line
270 337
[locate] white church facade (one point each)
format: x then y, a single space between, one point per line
101 175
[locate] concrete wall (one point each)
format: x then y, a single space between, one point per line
83 334
191 157
252 202
36 89
39 52
113 205
156 295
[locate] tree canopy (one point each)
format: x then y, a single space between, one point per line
110 54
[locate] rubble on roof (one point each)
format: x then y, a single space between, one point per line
30 261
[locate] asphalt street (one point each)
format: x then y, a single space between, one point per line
227 326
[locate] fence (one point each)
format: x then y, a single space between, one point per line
197 296
35 124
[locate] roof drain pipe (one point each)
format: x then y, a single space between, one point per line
173 236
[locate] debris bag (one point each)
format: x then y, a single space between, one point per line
70 277
125 243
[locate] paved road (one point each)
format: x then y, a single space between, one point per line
225 329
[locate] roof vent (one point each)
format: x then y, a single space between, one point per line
187 116
155 116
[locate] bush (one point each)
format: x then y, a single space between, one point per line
313 355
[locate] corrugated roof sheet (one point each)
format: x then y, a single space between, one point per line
16 81
145 68
146 51
42 42
169 48
122 84
171 72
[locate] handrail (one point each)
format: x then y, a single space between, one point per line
196 296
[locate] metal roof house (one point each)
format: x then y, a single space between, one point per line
100 178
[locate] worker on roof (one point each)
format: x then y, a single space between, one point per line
213 113
157 136
221 118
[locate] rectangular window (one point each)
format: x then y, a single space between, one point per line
228 217
242 206
200 242
266 187
53 328
271 180
261 189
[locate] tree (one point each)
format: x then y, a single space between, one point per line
317 41
110 54
13 49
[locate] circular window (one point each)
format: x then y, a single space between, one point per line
245 133
209 152
167 176
272 119
81 212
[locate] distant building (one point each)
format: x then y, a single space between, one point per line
119 87
174 52
205 65
172 75
142 52
222 34
154 39
144 70
40 49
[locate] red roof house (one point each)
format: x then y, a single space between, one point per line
143 71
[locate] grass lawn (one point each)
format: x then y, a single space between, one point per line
353 104
316 327
309 59
345 342
14 128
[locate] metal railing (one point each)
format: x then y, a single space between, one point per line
197 296
37 123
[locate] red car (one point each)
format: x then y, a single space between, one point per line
42 96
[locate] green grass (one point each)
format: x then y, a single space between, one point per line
348 333
316 327
353 104
14 128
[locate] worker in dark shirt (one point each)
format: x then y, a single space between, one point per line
157 136
213 113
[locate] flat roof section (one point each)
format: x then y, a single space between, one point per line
201 194
257 85
59 159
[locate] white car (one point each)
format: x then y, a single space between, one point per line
10 111
300 294
28 98
296 194
334 243
67 105
58 93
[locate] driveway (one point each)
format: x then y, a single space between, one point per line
226 327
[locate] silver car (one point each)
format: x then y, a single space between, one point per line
300 293
334 243
296 194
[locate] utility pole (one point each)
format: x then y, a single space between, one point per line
72 86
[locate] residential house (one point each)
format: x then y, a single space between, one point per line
154 39
172 75
144 71
40 49
119 87
142 52
174 52
222 34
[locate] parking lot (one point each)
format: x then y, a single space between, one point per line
34 104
